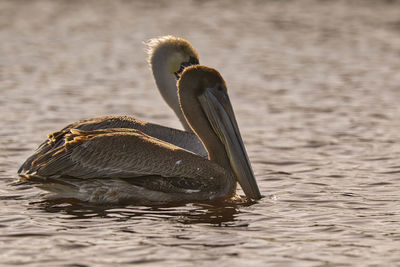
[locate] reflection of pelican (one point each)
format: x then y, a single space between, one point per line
168 56
113 165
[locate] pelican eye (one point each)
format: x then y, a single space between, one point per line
220 87
192 61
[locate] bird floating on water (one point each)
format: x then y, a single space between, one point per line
168 56
127 165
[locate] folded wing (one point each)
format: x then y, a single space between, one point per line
185 140
117 153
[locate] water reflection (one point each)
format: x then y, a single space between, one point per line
211 213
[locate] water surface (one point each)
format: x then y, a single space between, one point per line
316 90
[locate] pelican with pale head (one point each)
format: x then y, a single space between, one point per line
168 56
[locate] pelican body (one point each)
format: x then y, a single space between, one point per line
186 140
168 56
125 164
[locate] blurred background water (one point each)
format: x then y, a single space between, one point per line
316 90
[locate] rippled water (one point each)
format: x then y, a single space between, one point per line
316 90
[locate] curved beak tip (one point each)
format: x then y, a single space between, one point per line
219 111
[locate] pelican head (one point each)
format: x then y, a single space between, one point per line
205 104
168 56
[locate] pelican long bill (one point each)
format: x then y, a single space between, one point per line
218 109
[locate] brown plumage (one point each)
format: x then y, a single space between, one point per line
168 55
186 140
121 164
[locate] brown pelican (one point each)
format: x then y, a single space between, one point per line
168 56
118 165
